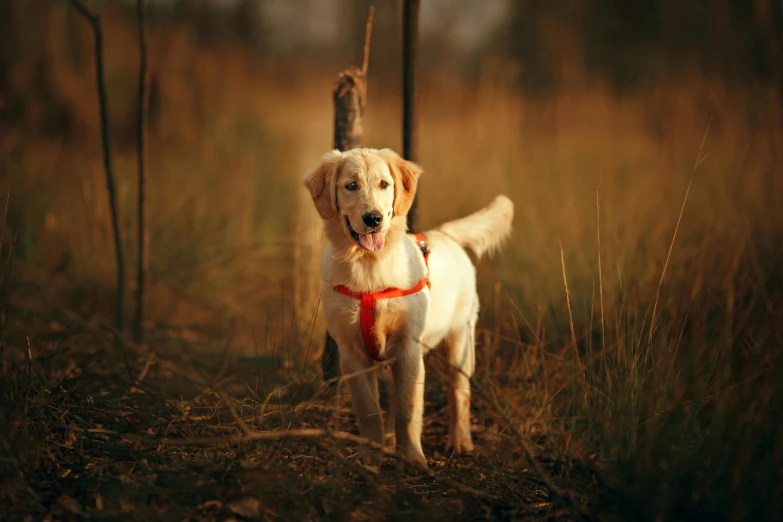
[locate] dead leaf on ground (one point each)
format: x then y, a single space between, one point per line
246 507
210 504
70 504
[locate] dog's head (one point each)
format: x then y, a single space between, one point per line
363 195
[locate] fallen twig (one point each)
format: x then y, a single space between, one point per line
224 397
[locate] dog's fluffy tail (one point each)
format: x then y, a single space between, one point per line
484 231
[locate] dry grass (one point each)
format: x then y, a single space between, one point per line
658 369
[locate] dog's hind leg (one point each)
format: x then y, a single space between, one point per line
461 355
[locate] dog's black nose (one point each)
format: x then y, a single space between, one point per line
372 219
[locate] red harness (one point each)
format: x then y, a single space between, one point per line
367 307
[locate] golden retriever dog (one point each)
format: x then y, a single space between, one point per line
390 296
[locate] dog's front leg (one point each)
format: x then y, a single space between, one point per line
364 396
408 373
388 422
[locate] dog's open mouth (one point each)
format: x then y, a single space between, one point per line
373 241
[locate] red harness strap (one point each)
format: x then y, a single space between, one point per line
367 306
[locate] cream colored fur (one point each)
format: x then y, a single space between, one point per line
346 187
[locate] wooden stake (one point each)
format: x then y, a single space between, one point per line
349 98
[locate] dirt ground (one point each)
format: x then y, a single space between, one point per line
96 428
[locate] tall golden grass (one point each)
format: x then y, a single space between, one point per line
672 372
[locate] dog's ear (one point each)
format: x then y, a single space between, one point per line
321 184
406 177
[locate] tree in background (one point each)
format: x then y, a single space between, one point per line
630 42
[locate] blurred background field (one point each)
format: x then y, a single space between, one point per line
597 118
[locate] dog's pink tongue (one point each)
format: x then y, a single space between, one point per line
372 242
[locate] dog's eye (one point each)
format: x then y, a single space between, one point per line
351 186
384 184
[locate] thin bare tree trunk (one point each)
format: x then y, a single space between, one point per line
410 62
95 23
349 97
141 261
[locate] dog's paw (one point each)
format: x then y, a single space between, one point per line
414 455
419 458
460 443
371 461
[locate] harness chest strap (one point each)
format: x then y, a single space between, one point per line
368 299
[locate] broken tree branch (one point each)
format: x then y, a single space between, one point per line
367 39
